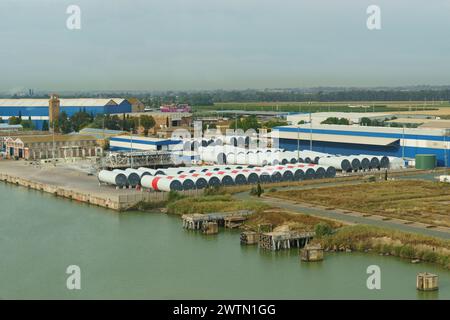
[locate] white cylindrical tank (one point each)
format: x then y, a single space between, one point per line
340 163
114 178
166 183
133 179
374 161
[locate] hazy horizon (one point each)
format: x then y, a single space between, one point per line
222 44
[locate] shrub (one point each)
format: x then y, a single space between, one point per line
214 190
430 256
174 196
407 252
323 229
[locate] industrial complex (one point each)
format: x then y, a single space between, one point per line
348 139
165 156
38 109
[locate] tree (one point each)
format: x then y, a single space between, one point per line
334 120
64 123
323 229
147 122
274 123
27 124
45 125
250 122
80 120
13 120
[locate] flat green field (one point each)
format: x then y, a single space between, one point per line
359 106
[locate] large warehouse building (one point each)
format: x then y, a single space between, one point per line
347 140
38 109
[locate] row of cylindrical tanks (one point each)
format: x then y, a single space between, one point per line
268 156
234 140
189 178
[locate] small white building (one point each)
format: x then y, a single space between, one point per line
138 143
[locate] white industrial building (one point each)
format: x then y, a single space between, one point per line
352 117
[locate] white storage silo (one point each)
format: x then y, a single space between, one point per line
114 178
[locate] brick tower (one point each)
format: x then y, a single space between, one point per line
53 112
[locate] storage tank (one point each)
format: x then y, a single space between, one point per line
227 180
365 162
339 163
252 177
214 181
310 173
167 184
264 177
114 178
162 183
330 172
287 175
356 164
374 161
276 176
425 161
200 181
187 182
146 181
239 178
320 172
299 174
384 162
133 179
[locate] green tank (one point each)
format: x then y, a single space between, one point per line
425 161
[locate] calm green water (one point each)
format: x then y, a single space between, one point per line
137 255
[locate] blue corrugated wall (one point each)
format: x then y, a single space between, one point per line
124 107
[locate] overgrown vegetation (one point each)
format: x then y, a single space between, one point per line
414 200
281 219
323 229
214 203
388 242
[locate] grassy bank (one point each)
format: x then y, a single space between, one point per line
388 242
212 203
413 200
283 220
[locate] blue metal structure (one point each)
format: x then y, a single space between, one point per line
37 109
348 140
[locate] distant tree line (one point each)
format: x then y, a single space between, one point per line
208 98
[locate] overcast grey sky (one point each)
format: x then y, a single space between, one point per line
212 44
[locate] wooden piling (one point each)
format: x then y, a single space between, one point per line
278 240
210 228
427 281
311 253
249 237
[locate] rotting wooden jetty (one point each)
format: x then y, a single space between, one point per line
249 237
277 240
195 221
234 221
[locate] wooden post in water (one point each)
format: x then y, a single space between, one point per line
427 281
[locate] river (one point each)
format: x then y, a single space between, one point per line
149 256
